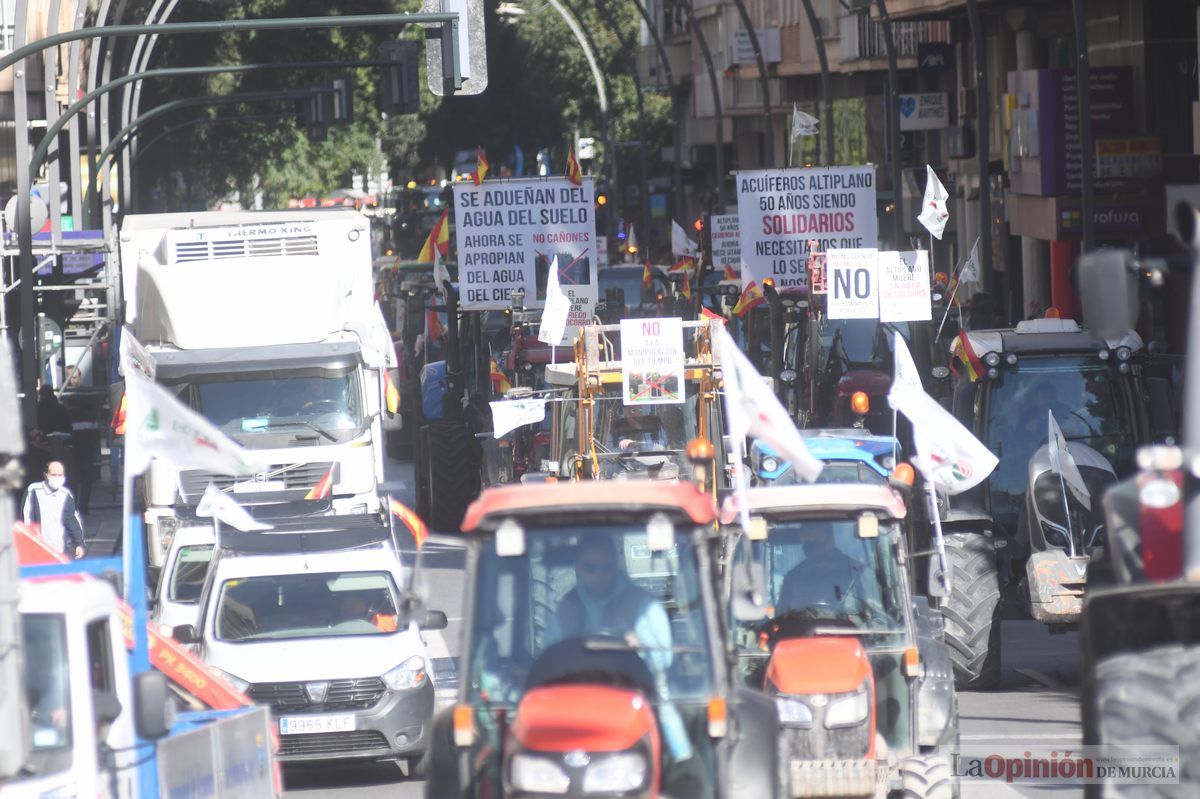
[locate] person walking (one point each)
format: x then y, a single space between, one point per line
51 505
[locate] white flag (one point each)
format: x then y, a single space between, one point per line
907 378
554 314
752 410
135 355
1063 462
219 505
681 245
970 269
933 208
160 426
803 124
441 275
508 415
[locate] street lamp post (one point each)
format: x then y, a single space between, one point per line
764 85
718 117
826 81
893 124
983 112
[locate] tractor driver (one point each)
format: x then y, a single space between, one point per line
639 430
826 577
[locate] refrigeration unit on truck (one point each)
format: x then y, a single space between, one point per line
266 324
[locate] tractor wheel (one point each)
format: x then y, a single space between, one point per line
926 777
453 477
972 611
1149 697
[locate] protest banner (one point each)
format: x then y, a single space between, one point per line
853 288
726 249
904 294
652 361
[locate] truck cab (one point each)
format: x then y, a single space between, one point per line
264 323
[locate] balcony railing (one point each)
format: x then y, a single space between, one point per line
862 37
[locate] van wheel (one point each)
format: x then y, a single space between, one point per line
1150 697
972 611
926 777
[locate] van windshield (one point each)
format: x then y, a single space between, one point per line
286 606
47 688
187 578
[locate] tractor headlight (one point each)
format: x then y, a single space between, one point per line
849 710
770 464
535 774
992 359
1124 354
793 712
788 376
617 773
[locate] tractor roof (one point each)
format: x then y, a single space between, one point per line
588 501
838 499
1046 336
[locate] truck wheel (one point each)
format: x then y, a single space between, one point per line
1149 697
453 458
972 611
926 777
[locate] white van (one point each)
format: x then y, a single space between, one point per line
312 624
177 598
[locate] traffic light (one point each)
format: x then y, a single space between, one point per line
469 49
316 114
341 100
400 89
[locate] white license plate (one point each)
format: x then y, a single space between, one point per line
250 486
300 725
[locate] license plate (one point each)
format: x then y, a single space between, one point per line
251 486
300 725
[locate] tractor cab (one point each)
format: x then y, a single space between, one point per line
597 435
593 662
854 662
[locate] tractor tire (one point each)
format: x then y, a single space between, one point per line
926 777
1148 697
453 473
972 611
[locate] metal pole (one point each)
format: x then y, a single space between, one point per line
718 116
764 85
114 49
676 109
142 49
1082 82
893 122
50 79
74 72
30 358
983 112
775 319
826 82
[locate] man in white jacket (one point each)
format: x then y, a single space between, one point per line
51 506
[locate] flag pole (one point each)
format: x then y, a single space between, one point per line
950 304
939 543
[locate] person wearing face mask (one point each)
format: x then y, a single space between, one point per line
51 506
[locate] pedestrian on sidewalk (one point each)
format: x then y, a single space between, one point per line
51 506
85 443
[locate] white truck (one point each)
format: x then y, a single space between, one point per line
265 323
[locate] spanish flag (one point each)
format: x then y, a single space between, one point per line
687 286
438 243
962 349
500 382
324 487
411 520
708 313
574 173
731 273
391 393
481 166
118 419
647 278
752 297
683 265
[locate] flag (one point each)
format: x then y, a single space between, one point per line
481 166
803 124
965 352
555 311
933 208
500 382
752 409
508 415
752 297
160 426
684 265
647 278
1063 462
681 245
391 393
686 290
411 520
970 268
438 243
324 487
947 454
118 418
574 173
708 313
731 273
216 504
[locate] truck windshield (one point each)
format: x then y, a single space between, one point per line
326 407
1086 399
47 686
823 578
286 606
579 600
